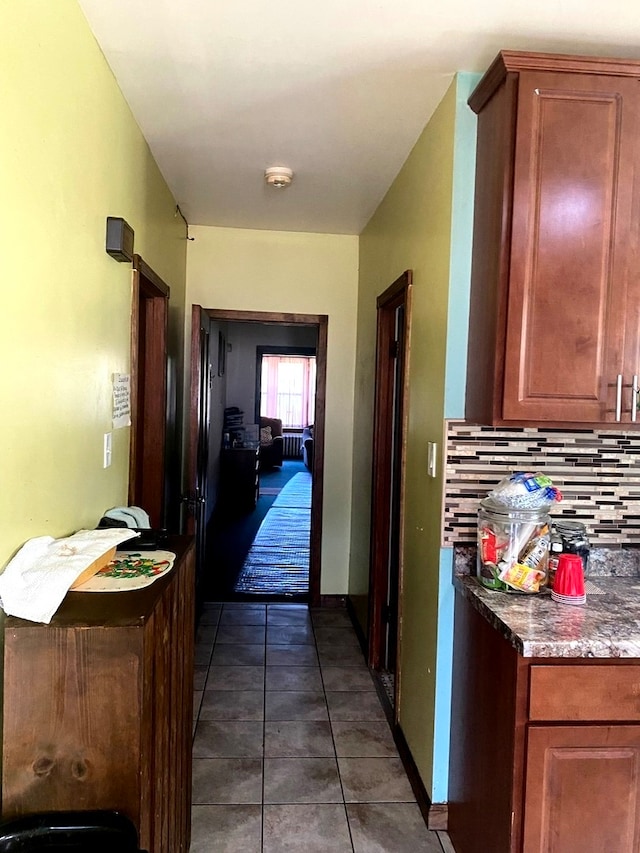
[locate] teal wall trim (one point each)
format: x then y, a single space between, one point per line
464 165
464 172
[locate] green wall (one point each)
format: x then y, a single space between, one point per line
411 229
71 155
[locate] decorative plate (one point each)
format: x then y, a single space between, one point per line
131 570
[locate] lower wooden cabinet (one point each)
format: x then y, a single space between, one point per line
97 707
582 789
545 753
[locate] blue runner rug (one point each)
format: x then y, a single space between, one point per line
278 560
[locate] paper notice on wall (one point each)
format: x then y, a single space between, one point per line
121 400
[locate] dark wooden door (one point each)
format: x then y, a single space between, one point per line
582 790
149 410
388 446
573 243
195 498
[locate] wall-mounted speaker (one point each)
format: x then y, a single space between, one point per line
119 239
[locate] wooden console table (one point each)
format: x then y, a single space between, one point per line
98 707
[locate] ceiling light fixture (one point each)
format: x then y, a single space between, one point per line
278 176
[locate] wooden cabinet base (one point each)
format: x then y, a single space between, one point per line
98 707
545 753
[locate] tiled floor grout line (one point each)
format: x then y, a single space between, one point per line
333 740
264 726
288 637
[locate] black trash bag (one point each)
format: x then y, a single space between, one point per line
69 832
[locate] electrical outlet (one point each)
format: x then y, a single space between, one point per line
432 455
106 451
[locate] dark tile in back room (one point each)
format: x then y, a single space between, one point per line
363 740
250 616
283 618
316 828
238 654
374 780
292 655
301 780
293 678
283 635
235 678
240 634
227 780
228 739
347 678
390 826
298 739
232 705
295 705
341 656
352 706
226 828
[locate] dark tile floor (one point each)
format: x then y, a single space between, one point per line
292 751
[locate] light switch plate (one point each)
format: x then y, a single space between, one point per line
432 455
106 452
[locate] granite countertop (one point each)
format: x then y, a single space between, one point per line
607 626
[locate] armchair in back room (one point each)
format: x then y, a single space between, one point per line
271 443
307 446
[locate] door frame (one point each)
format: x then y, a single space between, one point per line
396 294
147 445
320 321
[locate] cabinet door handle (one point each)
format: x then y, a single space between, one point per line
619 397
634 398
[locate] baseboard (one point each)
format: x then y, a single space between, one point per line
435 815
356 627
438 816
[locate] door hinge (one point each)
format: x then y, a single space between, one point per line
385 613
394 349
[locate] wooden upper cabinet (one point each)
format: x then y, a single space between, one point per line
553 334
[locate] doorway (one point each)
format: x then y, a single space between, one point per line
393 316
221 488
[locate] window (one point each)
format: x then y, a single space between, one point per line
288 389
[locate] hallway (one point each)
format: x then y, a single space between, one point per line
292 751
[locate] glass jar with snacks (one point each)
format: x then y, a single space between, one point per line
513 547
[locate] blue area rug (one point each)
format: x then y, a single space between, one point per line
278 560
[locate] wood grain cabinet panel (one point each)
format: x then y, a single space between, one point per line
554 301
584 694
98 707
582 790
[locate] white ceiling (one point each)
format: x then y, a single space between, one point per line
338 90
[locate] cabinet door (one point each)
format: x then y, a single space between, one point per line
582 792
573 243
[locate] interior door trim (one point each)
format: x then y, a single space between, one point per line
396 294
149 318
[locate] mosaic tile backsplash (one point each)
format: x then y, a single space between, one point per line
598 474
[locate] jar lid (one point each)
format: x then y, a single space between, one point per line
514 513
572 528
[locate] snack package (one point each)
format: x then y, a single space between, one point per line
521 577
525 490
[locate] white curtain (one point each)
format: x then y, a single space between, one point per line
288 388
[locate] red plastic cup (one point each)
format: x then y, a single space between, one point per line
569 580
